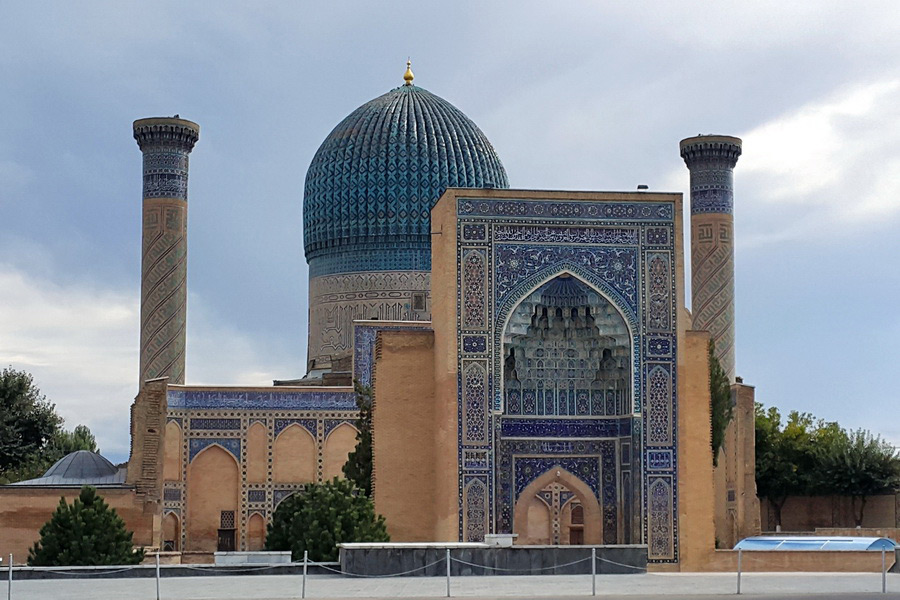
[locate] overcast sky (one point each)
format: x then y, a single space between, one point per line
576 95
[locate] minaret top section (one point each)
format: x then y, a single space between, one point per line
166 131
721 149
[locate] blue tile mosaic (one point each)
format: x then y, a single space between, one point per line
604 245
637 211
255 400
659 347
659 460
256 495
232 445
620 236
657 236
615 267
712 201
280 495
566 428
330 424
474 343
377 175
205 423
307 424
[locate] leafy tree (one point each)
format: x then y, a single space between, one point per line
786 462
720 406
858 465
322 515
358 467
66 442
87 532
61 443
27 419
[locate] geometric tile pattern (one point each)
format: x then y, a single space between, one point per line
377 175
507 249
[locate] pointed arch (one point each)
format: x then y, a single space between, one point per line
256 532
172 453
171 530
339 443
294 456
593 528
212 489
553 332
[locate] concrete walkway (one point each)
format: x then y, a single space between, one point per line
267 587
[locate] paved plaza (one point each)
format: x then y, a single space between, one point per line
650 585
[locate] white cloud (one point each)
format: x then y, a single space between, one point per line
80 341
829 167
827 145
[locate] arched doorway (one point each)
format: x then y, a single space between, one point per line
567 390
212 501
171 532
557 508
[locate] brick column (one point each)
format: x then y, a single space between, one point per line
711 160
165 144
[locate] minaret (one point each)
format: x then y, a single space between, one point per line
165 143
711 160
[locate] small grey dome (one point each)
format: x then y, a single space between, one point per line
82 464
79 468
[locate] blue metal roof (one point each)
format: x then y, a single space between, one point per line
374 180
815 542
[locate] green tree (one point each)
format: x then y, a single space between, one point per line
322 515
859 465
721 408
61 443
66 442
786 461
358 467
87 532
27 419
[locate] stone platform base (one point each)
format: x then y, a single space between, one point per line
481 559
252 558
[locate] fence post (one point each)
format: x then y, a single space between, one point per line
448 571
9 585
739 571
883 573
157 575
593 571
305 565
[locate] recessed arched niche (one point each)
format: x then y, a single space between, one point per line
567 351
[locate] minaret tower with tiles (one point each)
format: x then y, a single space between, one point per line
165 143
711 160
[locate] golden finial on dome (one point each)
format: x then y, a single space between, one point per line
408 76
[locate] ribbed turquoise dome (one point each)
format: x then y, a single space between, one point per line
372 183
